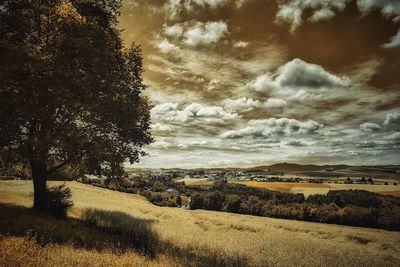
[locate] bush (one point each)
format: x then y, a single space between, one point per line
158 187
196 201
178 201
130 190
233 204
59 201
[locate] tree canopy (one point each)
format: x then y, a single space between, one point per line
70 92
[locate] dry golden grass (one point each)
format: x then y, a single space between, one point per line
22 251
196 181
262 241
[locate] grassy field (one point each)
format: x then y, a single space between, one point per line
231 239
196 181
323 188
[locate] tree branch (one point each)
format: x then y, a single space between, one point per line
57 167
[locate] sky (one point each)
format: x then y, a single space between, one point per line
253 82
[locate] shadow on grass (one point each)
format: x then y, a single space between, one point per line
108 230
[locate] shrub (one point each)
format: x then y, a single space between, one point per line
214 201
196 201
130 190
178 201
158 187
233 204
59 200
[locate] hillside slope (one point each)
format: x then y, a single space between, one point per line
263 241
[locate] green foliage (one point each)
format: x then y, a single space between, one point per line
348 207
59 201
178 201
196 201
158 187
233 204
72 95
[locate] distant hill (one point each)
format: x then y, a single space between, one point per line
285 167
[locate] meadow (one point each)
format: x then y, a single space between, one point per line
192 235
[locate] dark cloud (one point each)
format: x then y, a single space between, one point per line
237 81
295 143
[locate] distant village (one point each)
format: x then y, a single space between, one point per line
247 175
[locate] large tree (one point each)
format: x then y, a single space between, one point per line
69 91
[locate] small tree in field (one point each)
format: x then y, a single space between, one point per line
69 92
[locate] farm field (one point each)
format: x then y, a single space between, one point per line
262 241
323 188
196 181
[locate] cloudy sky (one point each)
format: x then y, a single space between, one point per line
253 82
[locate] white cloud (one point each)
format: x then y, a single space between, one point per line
262 83
392 118
194 113
275 103
242 104
160 144
205 33
240 44
245 104
302 96
174 8
274 127
394 136
194 33
292 12
389 8
165 46
161 127
297 75
370 127
165 111
175 30
210 3
394 41
322 14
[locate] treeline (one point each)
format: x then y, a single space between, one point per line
347 207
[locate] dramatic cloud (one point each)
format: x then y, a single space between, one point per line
174 8
231 86
161 127
165 46
275 103
370 127
298 75
274 127
394 41
194 113
175 30
295 143
195 33
292 11
392 118
242 104
205 33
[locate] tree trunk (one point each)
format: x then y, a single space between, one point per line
39 176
